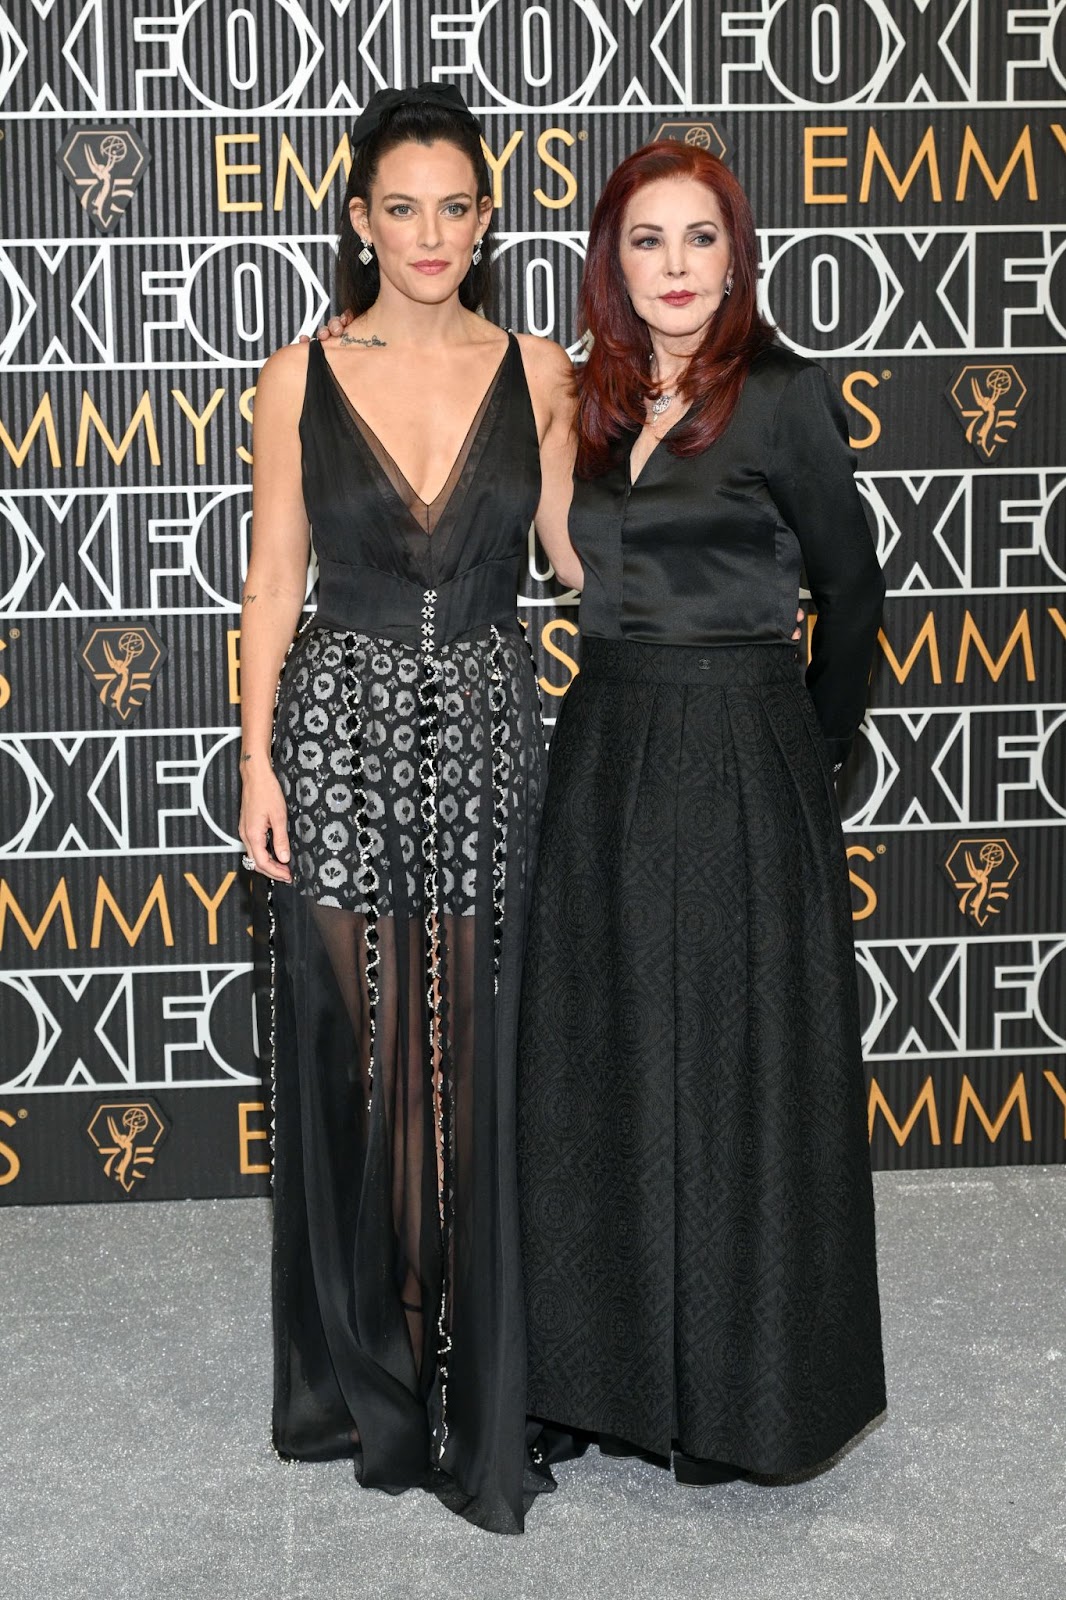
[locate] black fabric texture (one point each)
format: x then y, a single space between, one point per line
697 1208
710 550
398 1321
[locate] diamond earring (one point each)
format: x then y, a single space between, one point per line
728 290
366 254
476 257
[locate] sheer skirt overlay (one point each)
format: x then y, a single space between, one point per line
397 1296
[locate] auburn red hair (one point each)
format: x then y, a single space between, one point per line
615 380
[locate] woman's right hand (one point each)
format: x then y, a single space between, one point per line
331 329
263 813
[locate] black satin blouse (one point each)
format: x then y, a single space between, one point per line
709 550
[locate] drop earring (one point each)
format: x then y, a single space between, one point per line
476 257
366 254
728 290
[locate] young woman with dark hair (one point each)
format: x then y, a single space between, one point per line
697 1209
393 799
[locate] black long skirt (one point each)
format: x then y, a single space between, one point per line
413 799
697 1211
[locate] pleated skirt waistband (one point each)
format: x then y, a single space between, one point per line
703 666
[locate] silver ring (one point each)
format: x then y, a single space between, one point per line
248 863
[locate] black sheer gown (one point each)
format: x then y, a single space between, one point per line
697 1208
408 744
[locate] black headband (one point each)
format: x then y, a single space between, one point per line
379 106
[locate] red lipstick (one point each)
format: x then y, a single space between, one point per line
679 297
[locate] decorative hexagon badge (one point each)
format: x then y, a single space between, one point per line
103 166
987 399
704 135
981 871
123 659
126 1134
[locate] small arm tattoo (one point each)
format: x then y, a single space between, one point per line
245 758
247 600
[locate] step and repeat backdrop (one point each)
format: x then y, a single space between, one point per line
171 173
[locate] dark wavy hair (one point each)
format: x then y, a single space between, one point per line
614 381
356 286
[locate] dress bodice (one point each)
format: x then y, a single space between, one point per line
380 548
709 549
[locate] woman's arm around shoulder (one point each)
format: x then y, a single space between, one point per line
273 596
552 390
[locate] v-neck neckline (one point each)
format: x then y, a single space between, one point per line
632 482
462 455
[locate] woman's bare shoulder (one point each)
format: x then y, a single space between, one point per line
543 354
286 368
279 390
548 367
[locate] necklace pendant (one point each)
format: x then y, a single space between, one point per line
660 403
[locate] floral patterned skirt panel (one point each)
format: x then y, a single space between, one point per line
413 778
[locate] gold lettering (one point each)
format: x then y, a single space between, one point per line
926 637
971 635
968 1097
105 900
225 170
496 164
42 418
875 151
860 883
244 406
199 420
247 1135
1060 1090
848 391
117 452
1058 619
972 152
1060 133
233 663
5 683
812 162
287 158
926 1102
566 626
60 902
14 1165
543 140
210 904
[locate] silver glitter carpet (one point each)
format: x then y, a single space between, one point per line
134 1460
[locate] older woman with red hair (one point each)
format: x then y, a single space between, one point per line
698 1220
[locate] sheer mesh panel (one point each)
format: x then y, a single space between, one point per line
427 513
